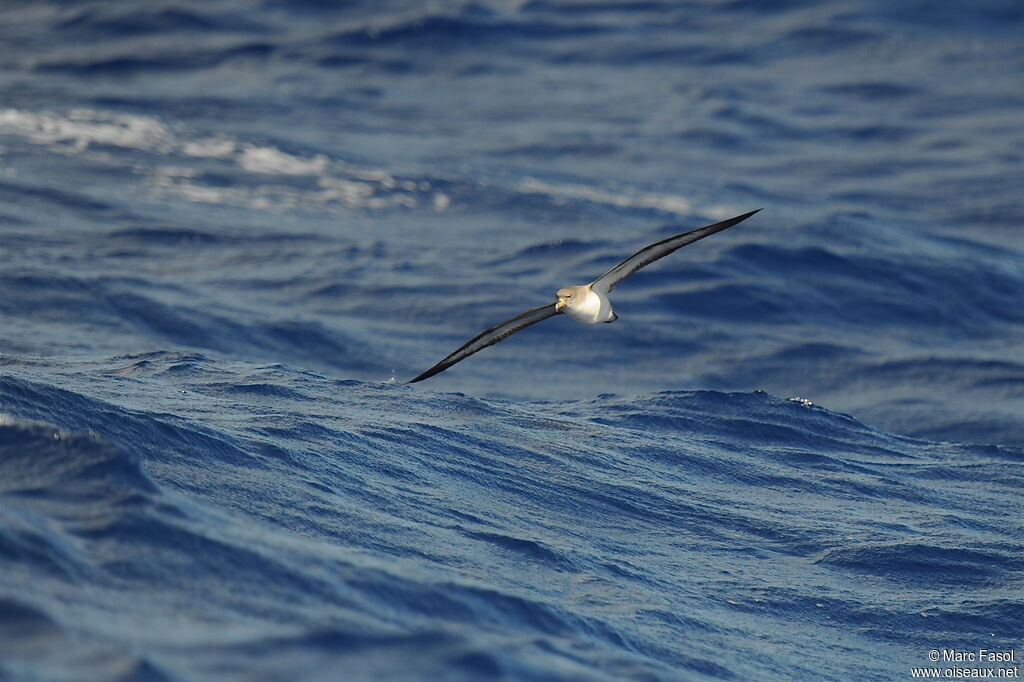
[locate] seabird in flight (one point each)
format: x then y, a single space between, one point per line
586 303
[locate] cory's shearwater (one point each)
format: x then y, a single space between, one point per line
586 303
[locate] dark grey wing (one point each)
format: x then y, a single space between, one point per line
497 333
649 254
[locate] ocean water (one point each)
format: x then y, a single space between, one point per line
230 231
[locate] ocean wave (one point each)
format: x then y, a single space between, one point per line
596 497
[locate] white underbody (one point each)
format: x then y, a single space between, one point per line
592 309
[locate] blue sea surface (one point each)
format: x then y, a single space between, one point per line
230 231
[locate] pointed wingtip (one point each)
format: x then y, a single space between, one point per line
731 221
740 218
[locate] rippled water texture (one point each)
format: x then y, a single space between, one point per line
229 231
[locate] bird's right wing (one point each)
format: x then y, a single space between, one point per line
653 252
490 337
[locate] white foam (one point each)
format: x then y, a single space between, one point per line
82 128
440 201
669 203
210 148
271 160
349 192
340 183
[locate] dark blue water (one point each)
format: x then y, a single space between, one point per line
230 230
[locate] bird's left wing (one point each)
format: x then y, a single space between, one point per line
490 337
653 252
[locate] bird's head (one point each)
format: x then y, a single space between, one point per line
569 296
